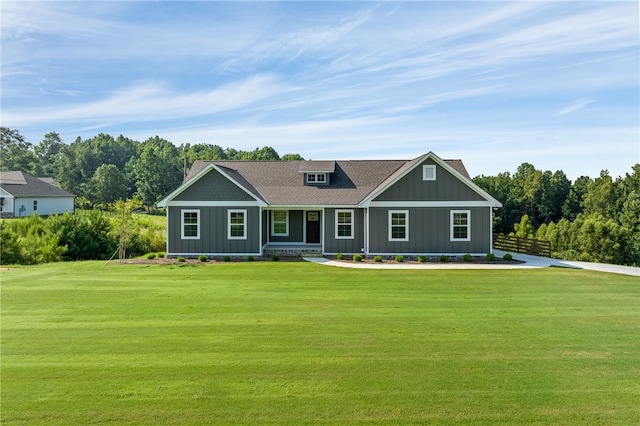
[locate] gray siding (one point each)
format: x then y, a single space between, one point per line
296 228
429 231
333 245
213 232
214 187
446 187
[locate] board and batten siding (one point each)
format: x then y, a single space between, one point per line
213 187
213 232
430 231
346 245
445 187
296 229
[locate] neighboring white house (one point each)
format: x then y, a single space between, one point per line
23 195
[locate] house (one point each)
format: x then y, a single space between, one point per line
23 195
375 207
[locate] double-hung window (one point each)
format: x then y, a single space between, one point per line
344 224
398 225
35 205
190 224
460 225
237 224
280 223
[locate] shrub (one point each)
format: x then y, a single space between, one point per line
150 256
226 258
422 259
275 257
444 258
249 258
339 256
507 256
467 257
377 259
490 257
399 258
181 259
161 254
357 258
202 258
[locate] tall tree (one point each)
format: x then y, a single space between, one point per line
49 154
16 154
600 197
158 170
107 185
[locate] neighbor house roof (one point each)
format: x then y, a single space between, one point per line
278 183
21 185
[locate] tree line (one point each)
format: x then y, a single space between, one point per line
103 169
589 219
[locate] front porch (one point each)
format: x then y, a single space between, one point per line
292 249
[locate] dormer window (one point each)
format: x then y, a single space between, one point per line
317 172
316 178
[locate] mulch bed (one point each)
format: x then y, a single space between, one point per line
347 259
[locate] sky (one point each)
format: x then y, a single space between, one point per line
496 84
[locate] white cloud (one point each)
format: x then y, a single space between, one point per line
575 106
153 101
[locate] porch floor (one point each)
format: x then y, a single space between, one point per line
293 249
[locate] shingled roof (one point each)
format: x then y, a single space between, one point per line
21 185
279 182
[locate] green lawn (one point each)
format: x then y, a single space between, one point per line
293 343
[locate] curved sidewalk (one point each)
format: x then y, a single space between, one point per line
529 262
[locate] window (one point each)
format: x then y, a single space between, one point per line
1 204
190 224
429 172
280 223
237 224
344 224
35 205
398 225
316 178
460 225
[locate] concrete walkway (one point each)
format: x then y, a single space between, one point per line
529 262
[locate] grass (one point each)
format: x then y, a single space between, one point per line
295 343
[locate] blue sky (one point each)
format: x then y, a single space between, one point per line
555 84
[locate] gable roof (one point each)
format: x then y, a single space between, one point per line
21 185
352 182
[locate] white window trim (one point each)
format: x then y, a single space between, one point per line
350 236
468 225
406 225
273 233
197 212
315 178
429 172
244 224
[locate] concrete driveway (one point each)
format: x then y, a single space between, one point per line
529 262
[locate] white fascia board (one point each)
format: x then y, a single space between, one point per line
167 201
5 194
213 204
378 191
456 204
465 180
308 207
468 182
236 183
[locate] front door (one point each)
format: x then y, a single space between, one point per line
313 227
